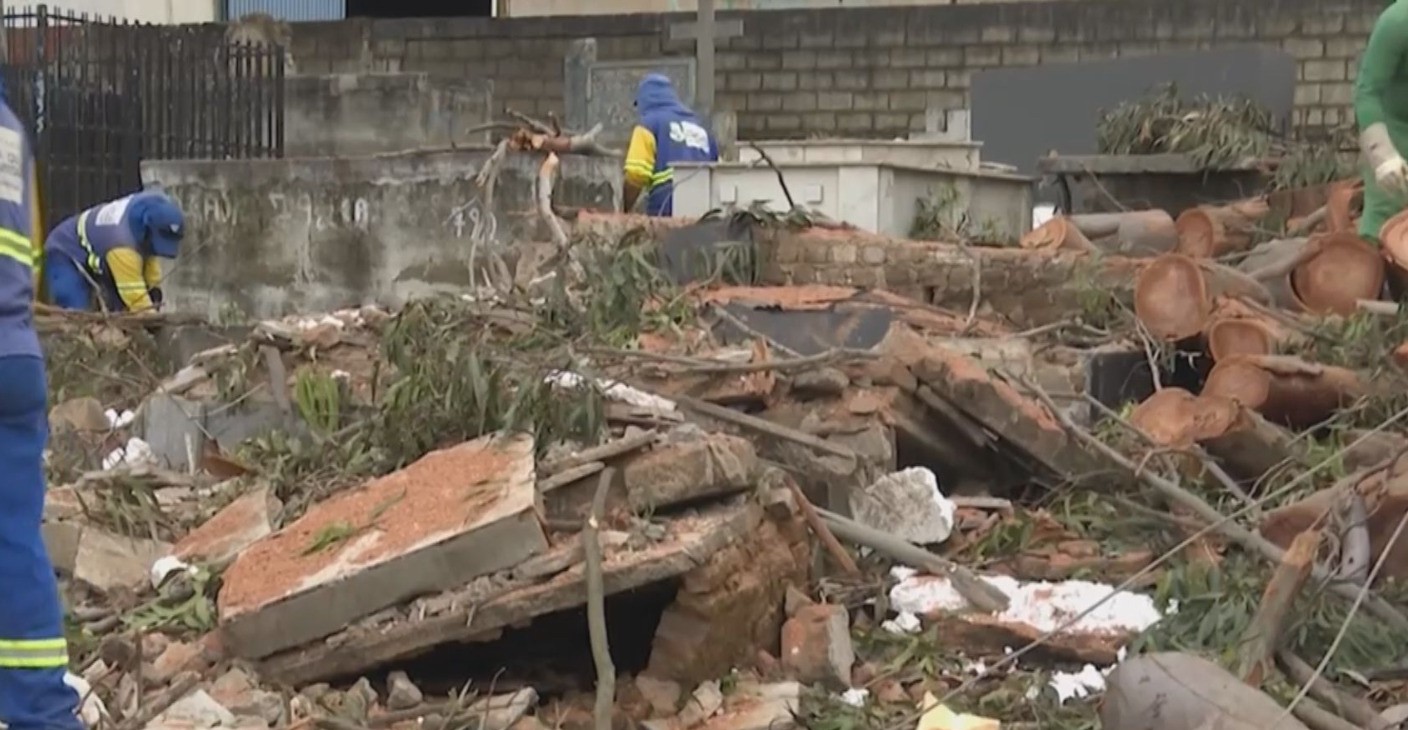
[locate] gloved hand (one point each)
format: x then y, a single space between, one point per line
156 296
1390 169
1392 175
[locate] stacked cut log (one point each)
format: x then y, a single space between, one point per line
1134 233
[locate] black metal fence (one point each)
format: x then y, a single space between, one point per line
101 95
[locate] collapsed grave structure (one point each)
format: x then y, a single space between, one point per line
707 456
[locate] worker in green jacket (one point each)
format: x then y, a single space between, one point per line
1381 108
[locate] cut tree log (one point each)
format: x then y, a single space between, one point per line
1345 196
1209 231
1343 270
1235 328
1244 443
1174 294
1175 418
1263 636
1323 274
1057 234
1250 447
1393 237
1175 691
1134 233
1284 389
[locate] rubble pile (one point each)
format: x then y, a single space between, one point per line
1146 460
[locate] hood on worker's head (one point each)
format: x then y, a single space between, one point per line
657 93
165 226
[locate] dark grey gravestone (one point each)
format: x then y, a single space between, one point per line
691 253
810 331
604 92
1021 114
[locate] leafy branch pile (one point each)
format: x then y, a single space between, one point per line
1216 133
455 371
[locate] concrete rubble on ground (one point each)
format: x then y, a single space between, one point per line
936 507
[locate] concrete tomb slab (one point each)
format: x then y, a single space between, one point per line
452 516
481 609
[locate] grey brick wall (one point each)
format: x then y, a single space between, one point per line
866 72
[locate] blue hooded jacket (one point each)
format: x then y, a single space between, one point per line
668 132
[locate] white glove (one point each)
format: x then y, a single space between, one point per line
1392 175
1390 171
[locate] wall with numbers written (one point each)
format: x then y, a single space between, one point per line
276 236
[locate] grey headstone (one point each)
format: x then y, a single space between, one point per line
811 332
610 93
1068 98
689 253
580 56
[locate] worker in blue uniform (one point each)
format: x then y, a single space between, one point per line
668 132
110 254
33 655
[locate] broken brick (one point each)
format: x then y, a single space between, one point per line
816 645
730 606
234 528
710 466
452 516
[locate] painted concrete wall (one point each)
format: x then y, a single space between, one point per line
866 72
350 115
148 11
532 8
278 236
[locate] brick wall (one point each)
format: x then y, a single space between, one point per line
863 72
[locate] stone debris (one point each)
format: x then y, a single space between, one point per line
447 583
907 504
449 518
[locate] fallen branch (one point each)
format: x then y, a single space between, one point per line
1318 718
1342 703
823 533
1228 528
547 172
747 329
608 450
978 592
567 476
796 363
781 181
1264 633
596 605
753 423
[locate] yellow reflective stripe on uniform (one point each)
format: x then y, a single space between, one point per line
16 247
662 177
95 264
34 653
645 168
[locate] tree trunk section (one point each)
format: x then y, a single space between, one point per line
1285 390
1174 294
1057 234
1207 231
1133 233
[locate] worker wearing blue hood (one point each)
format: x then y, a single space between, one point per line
668 132
113 251
33 653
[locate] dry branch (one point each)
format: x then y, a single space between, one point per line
823 533
1264 633
1341 703
596 605
1235 532
975 590
547 173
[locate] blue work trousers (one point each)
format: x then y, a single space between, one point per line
33 656
68 287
